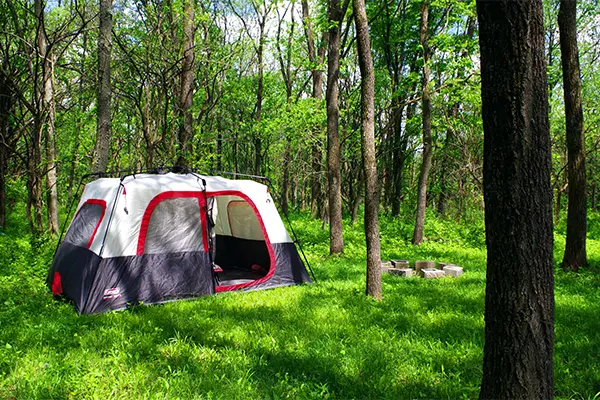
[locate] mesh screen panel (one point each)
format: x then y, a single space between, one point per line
174 226
84 225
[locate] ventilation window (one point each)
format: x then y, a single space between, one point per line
86 223
243 222
175 225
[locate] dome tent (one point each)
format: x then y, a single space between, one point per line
151 238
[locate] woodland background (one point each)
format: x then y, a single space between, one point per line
256 87
257 106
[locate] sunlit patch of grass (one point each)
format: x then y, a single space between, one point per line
326 340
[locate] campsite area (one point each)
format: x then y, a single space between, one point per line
162 161
325 340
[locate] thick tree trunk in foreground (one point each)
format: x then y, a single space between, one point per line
575 252
186 119
103 127
426 116
519 303
334 174
367 133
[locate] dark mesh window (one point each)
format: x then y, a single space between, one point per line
84 225
174 226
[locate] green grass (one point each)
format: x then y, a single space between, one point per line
327 340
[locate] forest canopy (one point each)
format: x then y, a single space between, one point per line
256 74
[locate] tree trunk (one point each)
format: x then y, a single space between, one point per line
443 197
367 130
103 128
315 58
35 178
186 119
594 191
6 102
561 186
426 116
519 302
219 150
334 174
259 98
315 182
47 119
81 110
356 194
285 187
575 252
51 181
399 156
3 163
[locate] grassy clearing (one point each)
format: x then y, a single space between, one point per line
327 340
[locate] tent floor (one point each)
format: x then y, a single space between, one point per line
237 276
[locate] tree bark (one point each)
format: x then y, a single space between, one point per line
400 143
426 117
285 187
519 302
6 102
443 197
315 181
186 118
35 202
285 64
47 118
315 58
367 130
575 251
103 127
81 110
334 174
3 163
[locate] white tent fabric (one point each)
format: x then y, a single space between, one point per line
237 207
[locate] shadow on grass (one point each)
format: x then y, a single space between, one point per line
315 342
328 340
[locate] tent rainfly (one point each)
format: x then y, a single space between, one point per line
152 238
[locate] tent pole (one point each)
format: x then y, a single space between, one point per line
112 213
62 231
296 240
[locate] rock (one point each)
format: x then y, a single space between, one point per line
400 263
385 266
419 265
430 273
441 265
405 272
453 270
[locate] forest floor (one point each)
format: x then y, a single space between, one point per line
326 340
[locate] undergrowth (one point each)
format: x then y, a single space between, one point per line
326 340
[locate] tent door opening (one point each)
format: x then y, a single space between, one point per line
240 251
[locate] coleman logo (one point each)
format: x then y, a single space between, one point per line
111 294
